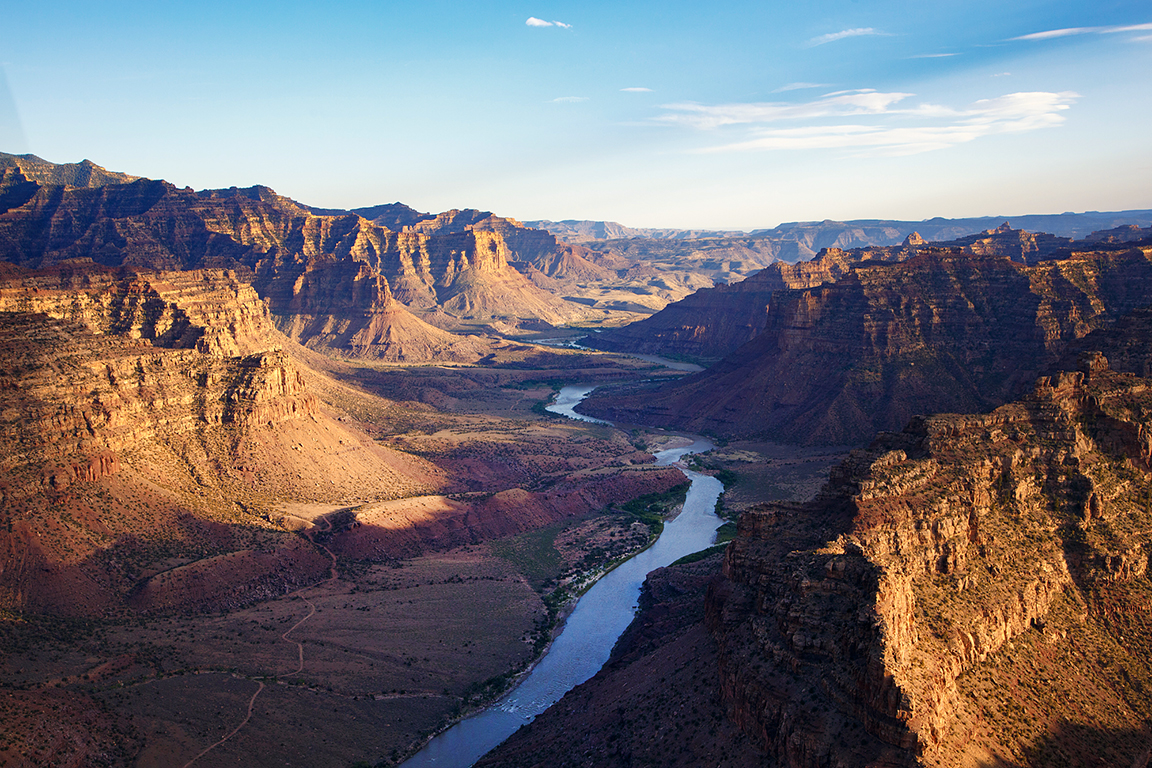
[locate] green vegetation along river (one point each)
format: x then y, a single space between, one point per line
599 618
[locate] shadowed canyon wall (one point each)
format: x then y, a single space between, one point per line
942 331
894 619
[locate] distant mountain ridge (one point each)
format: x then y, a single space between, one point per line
854 233
579 231
82 174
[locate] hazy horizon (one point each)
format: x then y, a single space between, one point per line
666 116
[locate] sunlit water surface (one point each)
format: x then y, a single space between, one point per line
599 618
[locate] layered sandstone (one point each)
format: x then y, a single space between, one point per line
159 412
949 577
713 322
340 283
944 330
82 174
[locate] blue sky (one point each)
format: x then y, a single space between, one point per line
652 114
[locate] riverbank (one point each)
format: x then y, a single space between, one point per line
595 623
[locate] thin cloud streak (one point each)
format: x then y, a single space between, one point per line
799 86
568 99
1052 34
840 103
636 90
832 37
535 22
1008 114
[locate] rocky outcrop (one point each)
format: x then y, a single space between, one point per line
82 174
159 412
1015 244
943 574
211 311
942 331
1129 233
335 276
713 322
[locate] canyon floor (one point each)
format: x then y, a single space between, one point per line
364 663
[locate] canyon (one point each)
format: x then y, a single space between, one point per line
967 591
922 330
278 480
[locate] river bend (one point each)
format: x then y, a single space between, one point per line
600 616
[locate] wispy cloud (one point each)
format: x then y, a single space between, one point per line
535 22
1051 34
838 104
636 90
898 128
568 99
933 55
832 37
799 87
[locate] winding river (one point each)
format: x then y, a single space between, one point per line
599 618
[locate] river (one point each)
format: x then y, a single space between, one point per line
599 618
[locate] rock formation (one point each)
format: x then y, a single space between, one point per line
146 412
157 421
82 174
339 283
965 592
713 322
942 331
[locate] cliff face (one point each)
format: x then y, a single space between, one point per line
151 413
82 174
713 322
960 593
943 331
208 310
341 277
441 268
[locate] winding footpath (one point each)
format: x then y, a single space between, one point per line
333 575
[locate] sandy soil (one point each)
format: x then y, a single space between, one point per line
361 667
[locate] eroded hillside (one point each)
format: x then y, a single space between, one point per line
968 591
193 506
338 283
945 330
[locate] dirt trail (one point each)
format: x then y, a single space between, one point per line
333 575
247 717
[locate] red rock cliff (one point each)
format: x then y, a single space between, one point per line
951 576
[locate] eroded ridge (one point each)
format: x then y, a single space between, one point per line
970 589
